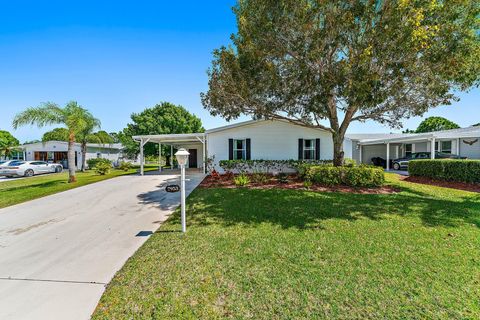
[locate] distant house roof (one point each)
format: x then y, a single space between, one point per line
117 146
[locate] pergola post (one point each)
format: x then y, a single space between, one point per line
141 156
204 156
458 147
171 157
160 157
432 149
360 153
388 156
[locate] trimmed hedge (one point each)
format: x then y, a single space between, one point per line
361 176
446 169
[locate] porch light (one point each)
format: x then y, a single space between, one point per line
182 156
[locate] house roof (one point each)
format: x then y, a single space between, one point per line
118 146
250 122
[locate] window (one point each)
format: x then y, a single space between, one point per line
309 149
446 146
408 150
437 149
239 150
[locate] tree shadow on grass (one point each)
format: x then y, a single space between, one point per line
304 209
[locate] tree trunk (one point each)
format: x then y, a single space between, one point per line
338 149
71 159
84 156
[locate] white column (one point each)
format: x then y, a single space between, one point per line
458 146
182 196
171 157
432 148
141 156
160 157
388 156
204 157
360 153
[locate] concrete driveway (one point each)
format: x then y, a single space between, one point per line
57 253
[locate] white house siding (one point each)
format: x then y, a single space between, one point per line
347 148
197 146
470 151
270 140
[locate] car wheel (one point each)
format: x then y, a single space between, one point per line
58 169
29 173
396 166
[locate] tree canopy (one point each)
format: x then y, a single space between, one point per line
7 143
163 118
57 134
325 64
431 124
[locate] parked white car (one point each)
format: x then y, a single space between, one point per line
29 168
4 163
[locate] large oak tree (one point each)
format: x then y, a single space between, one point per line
326 64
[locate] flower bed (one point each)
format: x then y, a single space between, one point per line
292 181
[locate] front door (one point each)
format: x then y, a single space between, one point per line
192 158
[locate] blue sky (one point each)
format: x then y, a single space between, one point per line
119 57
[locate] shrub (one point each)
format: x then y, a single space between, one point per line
267 166
241 180
92 163
282 177
260 177
102 168
361 176
446 169
125 166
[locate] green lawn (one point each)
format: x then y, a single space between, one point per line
286 254
21 190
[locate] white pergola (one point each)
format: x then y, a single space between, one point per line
172 140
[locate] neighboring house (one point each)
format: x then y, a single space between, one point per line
464 142
56 151
283 140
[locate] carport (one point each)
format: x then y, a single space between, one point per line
396 147
195 143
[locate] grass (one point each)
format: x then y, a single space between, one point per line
21 190
286 254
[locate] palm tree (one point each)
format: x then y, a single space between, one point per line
88 136
73 116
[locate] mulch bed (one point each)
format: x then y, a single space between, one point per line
294 182
446 184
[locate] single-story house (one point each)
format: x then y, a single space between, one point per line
283 140
56 151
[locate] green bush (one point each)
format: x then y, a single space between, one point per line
125 166
241 180
446 169
103 168
260 177
361 176
92 163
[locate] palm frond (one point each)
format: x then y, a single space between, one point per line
46 114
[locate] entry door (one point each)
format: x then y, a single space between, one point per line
192 158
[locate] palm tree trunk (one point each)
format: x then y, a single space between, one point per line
84 156
71 159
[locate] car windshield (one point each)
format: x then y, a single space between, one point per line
16 163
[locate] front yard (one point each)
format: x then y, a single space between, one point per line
270 254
